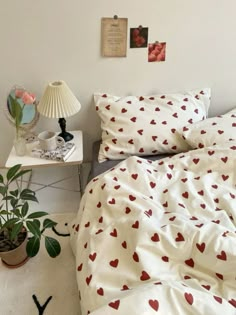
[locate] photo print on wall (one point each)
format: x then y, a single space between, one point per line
156 51
138 37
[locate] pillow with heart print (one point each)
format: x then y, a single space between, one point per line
147 125
211 131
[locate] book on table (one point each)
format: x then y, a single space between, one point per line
61 153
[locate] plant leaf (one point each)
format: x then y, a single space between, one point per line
1 179
20 174
3 190
37 214
28 197
33 246
24 209
12 171
16 230
52 246
14 192
48 223
10 222
33 228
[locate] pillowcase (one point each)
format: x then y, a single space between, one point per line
147 125
211 131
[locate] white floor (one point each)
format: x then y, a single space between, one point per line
57 188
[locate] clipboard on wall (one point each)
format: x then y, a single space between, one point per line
114 37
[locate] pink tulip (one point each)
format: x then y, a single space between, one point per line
28 98
19 93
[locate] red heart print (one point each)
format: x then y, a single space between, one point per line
152 184
121 130
172 218
222 255
187 277
117 187
185 194
108 107
201 192
114 233
179 238
133 119
169 103
132 198
175 115
79 268
100 291
127 210
154 138
188 298
185 99
207 287
184 180
141 150
140 131
195 161
77 228
154 304
214 186
224 159
129 102
135 257
190 121
135 225
114 263
104 95
163 96
211 152
155 237
115 304
165 142
141 98
165 258
113 119
183 107
124 244
165 205
144 276
106 149
232 302
134 176
218 299
164 122
114 141
131 141
157 109
99 231
220 132
148 213
93 256
88 279
189 262
112 201
124 110
225 177
220 276
103 186
99 205
169 176
87 224
123 169
125 287
141 109
173 130
201 247
152 122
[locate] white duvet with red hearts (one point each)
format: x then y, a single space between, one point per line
159 237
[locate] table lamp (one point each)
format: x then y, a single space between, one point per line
58 101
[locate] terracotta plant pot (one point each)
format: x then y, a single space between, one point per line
16 257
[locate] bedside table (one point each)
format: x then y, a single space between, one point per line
28 161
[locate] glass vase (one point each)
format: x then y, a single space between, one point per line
20 145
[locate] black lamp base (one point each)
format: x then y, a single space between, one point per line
64 134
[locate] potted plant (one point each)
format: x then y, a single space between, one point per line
21 231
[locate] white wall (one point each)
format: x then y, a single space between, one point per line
48 40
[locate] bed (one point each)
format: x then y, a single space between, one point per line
158 236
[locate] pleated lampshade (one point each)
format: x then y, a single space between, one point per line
58 101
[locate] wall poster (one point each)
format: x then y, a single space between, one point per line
114 37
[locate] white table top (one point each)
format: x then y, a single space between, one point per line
30 161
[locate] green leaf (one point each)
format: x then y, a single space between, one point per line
33 228
12 171
1 179
10 222
37 222
20 174
14 192
37 214
29 197
3 190
48 223
16 213
24 209
32 246
5 212
52 246
16 230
